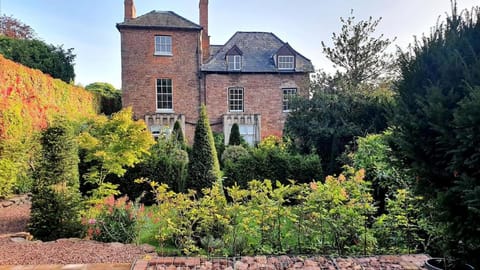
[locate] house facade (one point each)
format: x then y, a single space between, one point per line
169 68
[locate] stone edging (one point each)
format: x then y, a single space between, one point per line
17 200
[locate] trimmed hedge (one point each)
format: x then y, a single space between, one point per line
29 102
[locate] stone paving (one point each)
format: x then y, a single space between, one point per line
100 266
405 262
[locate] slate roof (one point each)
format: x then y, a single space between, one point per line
160 20
258 50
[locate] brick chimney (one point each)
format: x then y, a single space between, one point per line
203 7
130 12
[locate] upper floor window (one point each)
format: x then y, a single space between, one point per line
286 62
163 45
235 99
234 62
288 94
164 95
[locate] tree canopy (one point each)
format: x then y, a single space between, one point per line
360 57
109 97
437 124
14 28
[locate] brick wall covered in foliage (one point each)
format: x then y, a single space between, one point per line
29 102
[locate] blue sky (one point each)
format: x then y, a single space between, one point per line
88 26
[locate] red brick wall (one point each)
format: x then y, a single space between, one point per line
141 68
262 95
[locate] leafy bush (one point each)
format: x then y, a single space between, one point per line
109 98
116 221
56 197
233 153
271 160
325 217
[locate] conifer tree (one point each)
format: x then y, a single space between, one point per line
235 138
56 196
177 133
203 168
437 125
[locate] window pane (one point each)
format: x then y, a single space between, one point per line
164 94
163 44
235 99
288 94
286 62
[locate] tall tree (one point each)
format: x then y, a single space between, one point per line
14 28
352 102
437 124
361 57
203 167
109 97
50 59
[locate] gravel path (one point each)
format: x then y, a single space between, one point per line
16 251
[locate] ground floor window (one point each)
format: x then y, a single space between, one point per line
248 133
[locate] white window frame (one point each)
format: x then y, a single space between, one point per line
234 62
286 62
163 45
287 94
163 95
236 100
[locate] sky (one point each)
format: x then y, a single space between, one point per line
88 26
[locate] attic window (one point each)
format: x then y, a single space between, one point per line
286 62
234 62
163 45
234 58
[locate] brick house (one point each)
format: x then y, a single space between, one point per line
169 69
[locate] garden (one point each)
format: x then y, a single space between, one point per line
380 159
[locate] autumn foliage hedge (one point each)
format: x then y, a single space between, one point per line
29 102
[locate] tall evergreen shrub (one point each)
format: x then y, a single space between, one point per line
235 138
177 133
56 195
203 168
437 126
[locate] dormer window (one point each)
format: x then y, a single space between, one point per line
234 59
163 45
234 62
286 62
285 58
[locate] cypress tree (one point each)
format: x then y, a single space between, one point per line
235 138
56 195
203 167
177 133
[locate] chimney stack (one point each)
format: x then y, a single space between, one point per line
203 7
130 12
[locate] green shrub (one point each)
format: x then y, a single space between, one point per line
116 221
235 138
177 134
437 124
56 200
203 167
233 153
271 160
